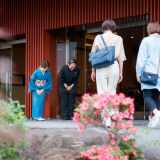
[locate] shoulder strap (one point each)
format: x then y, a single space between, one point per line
103 40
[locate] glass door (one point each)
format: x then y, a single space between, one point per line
6 74
90 85
76 50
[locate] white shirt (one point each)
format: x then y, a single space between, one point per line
110 40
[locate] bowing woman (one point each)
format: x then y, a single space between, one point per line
40 84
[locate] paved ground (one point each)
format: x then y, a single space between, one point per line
150 138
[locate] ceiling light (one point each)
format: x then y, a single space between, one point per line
88 45
132 37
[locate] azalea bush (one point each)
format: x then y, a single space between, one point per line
121 143
12 130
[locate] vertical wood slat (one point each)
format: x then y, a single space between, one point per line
141 7
124 8
105 11
91 11
80 12
158 11
115 9
99 11
151 10
155 10
60 12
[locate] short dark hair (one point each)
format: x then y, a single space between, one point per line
153 27
45 64
109 24
72 61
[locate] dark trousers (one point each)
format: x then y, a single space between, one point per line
67 104
151 97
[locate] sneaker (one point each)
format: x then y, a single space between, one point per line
157 116
40 119
155 121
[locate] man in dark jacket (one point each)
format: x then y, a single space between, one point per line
68 87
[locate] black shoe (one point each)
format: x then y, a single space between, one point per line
69 118
65 118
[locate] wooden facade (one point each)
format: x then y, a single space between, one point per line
34 19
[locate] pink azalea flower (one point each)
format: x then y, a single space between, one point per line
116 102
129 100
112 124
103 101
126 114
96 105
121 96
113 142
76 117
133 143
80 127
132 130
86 96
95 96
121 115
116 107
106 116
134 153
131 117
125 138
89 122
130 124
97 112
132 109
121 125
142 154
85 105
118 117
109 137
126 158
89 154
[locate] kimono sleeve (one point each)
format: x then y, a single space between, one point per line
32 86
142 58
48 85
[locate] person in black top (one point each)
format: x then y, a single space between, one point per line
68 87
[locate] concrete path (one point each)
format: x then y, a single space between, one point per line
148 138
68 124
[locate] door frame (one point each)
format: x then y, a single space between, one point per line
9 45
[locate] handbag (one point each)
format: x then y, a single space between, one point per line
103 57
149 78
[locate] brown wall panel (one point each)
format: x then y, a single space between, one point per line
33 17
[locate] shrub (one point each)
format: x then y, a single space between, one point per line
121 144
12 130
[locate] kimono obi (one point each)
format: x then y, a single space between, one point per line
40 82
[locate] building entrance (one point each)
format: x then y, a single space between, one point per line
76 42
12 71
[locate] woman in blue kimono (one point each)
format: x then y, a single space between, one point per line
40 83
148 60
